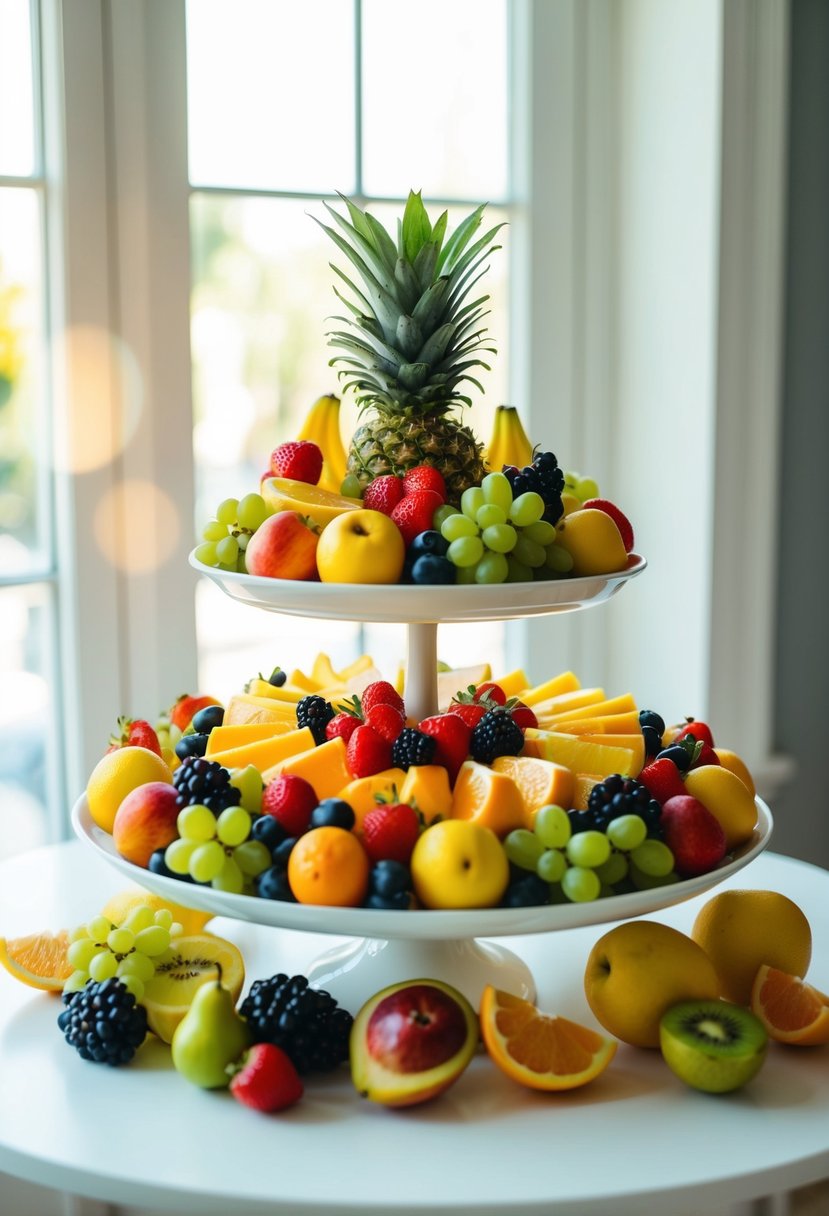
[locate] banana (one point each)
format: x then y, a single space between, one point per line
322 427
509 443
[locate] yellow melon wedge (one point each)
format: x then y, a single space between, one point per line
599 709
427 788
244 707
266 752
613 724
488 798
322 671
298 679
566 681
261 688
514 683
324 767
362 793
357 668
223 738
635 742
538 781
580 757
565 701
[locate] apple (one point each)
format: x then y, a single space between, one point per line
146 821
457 863
411 1041
593 541
284 546
362 546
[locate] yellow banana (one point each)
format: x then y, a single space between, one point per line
509 444
322 427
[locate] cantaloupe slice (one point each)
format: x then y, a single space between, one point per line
427 788
599 709
514 683
538 781
261 688
635 742
322 671
222 738
571 751
243 708
613 724
362 793
581 791
565 701
324 767
266 752
566 681
488 798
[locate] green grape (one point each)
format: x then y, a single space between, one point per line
206 862
523 848
251 512
227 551
139 965
465 551
133 985
551 865
492 568
196 823
80 953
120 941
646 882
76 981
241 566
206 553
249 783
490 515
613 870
580 885
627 832
497 489
527 509
153 941
98 928
139 918
457 526
528 552
213 530
252 857
586 488
79 933
226 511
103 966
588 849
230 879
552 826
653 858
571 480
557 559
163 917
465 575
517 571
233 825
500 538
351 486
442 514
542 533
471 500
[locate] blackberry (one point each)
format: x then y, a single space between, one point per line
103 1023
551 483
307 1024
618 795
315 713
202 781
413 747
527 891
496 734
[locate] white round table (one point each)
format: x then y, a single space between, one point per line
634 1143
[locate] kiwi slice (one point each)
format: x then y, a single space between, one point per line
712 1045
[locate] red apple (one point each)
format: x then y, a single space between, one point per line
284 546
693 834
146 821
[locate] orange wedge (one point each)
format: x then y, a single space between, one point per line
538 1049
791 1010
38 960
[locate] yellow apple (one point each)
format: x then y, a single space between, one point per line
459 864
361 547
593 541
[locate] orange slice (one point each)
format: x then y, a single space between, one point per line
791 1010
285 494
38 960
538 1049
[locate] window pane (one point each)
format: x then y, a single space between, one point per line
23 433
17 144
435 98
271 94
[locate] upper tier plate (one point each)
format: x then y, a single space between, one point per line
419 604
421 925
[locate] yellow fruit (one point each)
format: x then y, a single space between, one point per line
791 1011
609 724
487 799
321 426
361 794
580 756
426 787
285 494
264 753
324 767
514 683
539 783
740 930
117 774
596 708
727 798
223 738
361 547
537 1049
570 502
38 960
735 764
245 709
593 541
566 681
190 962
119 906
459 864
637 971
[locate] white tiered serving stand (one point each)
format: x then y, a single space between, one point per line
385 947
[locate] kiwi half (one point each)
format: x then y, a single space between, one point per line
712 1045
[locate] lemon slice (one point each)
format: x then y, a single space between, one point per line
285 494
189 963
38 960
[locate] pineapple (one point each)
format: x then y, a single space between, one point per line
412 341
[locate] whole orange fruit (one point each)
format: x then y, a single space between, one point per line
329 866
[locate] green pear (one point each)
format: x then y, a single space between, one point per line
210 1036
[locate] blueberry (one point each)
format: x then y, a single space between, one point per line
273 884
653 740
268 830
390 878
526 892
649 717
191 745
282 852
427 542
206 719
432 569
333 813
680 755
392 903
277 677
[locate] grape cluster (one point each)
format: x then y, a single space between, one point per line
542 477
202 781
618 795
100 950
225 538
217 849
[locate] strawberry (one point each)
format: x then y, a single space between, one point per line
387 720
265 1079
424 477
342 725
367 752
474 703
300 460
290 799
522 714
706 755
134 732
452 734
383 493
695 730
662 779
693 834
415 512
380 693
181 713
390 832
619 518
470 712
496 692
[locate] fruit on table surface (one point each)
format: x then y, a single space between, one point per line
284 546
128 949
146 821
210 1037
361 547
265 1079
712 1045
791 1010
459 864
37 960
117 774
411 1041
119 906
189 964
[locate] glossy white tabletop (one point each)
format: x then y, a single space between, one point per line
635 1142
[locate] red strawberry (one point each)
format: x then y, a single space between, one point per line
367 752
706 755
424 477
380 693
496 692
470 712
300 460
342 726
383 494
134 732
266 1079
522 714
693 834
387 720
452 734
390 832
695 730
290 799
619 518
414 513
662 779
181 713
